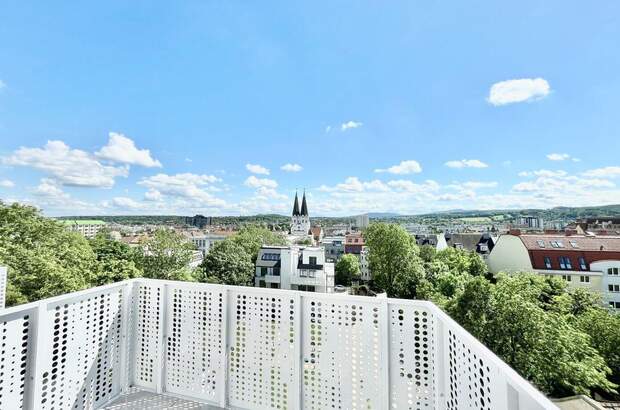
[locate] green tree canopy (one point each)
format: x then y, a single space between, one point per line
116 260
252 237
227 263
347 270
166 255
43 258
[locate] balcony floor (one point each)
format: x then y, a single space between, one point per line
137 399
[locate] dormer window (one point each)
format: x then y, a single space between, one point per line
541 243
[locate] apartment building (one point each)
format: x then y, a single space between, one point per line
481 243
588 261
295 268
87 227
203 241
355 244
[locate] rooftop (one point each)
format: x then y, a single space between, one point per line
571 242
150 344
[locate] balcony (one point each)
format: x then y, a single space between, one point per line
159 344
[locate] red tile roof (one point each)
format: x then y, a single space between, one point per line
581 242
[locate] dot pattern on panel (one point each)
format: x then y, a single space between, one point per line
470 381
262 365
83 368
411 357
194 345
341 353
148 329
14 345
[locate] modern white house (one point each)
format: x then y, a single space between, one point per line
295 268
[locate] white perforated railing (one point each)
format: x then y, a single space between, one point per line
248 348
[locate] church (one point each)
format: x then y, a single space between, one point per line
300 221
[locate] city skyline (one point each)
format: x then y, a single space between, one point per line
229 109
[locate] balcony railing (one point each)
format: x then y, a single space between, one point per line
247 348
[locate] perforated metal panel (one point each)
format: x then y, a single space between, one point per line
343 342
412 357
195 351
148 334
3 279
263 368
81 361
15 346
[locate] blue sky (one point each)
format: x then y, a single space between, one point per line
148 107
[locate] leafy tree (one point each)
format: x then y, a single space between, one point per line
166 255
347 270
393 260
227 263
305 241
462 261
116 260
43 258
473 307
427 253
252 237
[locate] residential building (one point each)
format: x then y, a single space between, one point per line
481 243
362 221
334 247
293 267
531 222
437 241
588 261
355 245
317 234
87 227
199 221
600 226
203 241
300 220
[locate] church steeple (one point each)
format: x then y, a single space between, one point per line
296 205
304 206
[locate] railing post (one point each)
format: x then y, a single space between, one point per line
127 336
442 362
223 399
37 357
160 362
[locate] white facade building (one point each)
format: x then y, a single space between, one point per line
203 241
87 227
300 220
295 268
362 221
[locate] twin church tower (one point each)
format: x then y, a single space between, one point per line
300 221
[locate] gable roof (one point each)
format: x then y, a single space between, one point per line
571 243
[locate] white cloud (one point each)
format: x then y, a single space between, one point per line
557 157
270 193
254 182
257 169
48 188
193 188
606 172
466 163
544 173
122 149
6 183
353 184
412 187
479 184
126 203
291 167
520 90
71 167
350 125
405 167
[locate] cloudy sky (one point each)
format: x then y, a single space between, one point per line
226 108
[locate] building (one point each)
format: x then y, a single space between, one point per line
334 247
588 261
531 222
295 268
482 244
199 221
354 244
317 234
87 227
362 221
437 241
600 226
300 220
203 241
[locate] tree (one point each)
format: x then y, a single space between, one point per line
393 260
43 258
462 261
166 255
116 260
252 237
347 270
227 263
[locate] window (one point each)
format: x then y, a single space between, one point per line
312 260
270 257
547 262
584 279
276 272
567 278
262 284
582 263
613 288
306 288
565 263
275 286
554 244
263 271
574 244
612 271
541 243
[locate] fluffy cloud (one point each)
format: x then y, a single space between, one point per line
291 167
353 184
193 188
71 167
6 183
466 163
405 167
606 172
412 187
514 91
544 173
125 203
257 169
123 150
478 184
350 125
48 188
557 157
254 182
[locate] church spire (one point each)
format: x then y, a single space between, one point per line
304 206
296 206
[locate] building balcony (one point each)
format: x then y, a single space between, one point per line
149 344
